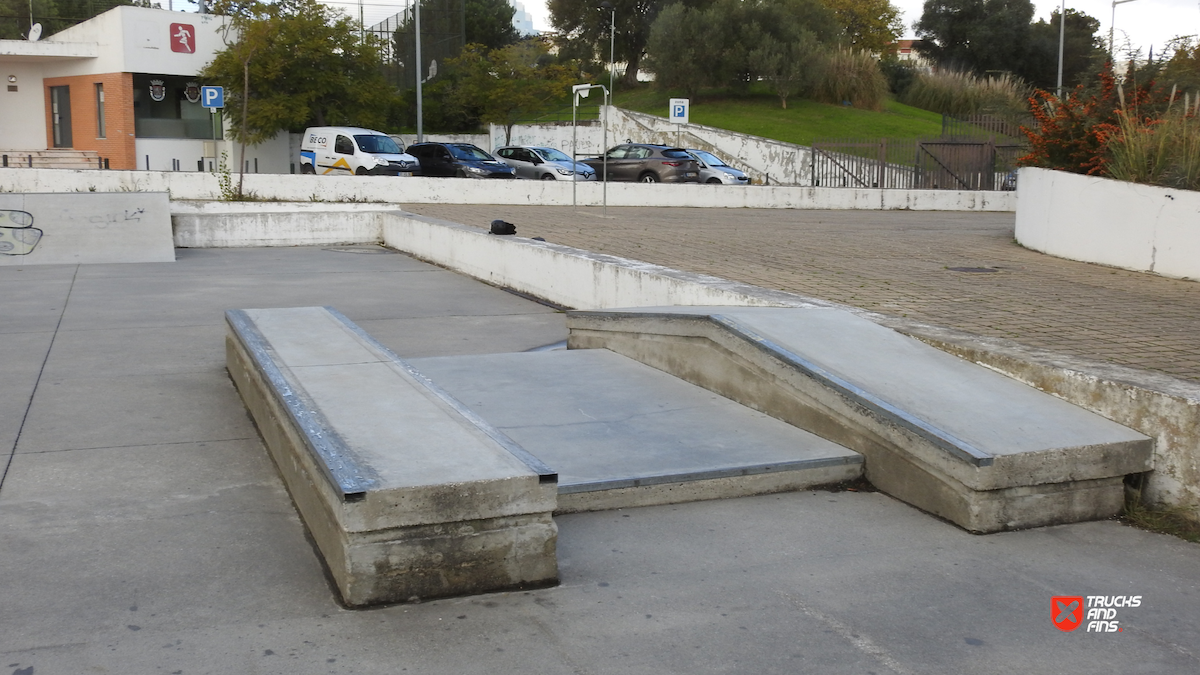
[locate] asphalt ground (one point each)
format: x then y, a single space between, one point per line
143 528
902 263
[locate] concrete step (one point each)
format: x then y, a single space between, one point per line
621 434
953 438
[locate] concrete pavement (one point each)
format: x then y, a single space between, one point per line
143 528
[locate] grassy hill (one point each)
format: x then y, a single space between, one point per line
761 115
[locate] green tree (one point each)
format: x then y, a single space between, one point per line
787 66
873 25
1083 51
296 63
53 15
583 28
983 36
489 23
680 45
506 85
737 42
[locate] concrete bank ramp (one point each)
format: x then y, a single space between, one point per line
621 434
968 444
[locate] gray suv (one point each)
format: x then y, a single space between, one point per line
648 163
540 163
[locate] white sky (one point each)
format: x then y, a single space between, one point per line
1145 22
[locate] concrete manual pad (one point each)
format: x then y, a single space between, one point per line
620 433
964 442
100 227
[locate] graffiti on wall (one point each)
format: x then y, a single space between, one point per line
18 236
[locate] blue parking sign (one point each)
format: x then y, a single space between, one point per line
212 97
679 110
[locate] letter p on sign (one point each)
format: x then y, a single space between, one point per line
212 97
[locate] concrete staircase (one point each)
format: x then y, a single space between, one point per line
55 158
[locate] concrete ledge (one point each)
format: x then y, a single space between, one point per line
406 493
961 442
420 190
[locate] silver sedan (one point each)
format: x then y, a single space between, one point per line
541 163
713 169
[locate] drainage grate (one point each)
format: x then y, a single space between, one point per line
973 270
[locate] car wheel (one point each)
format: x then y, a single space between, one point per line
713 181
460 174
548 176
360 171
307 168
648 177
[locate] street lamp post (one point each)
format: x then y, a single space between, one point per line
1111 25
612 42
1062 38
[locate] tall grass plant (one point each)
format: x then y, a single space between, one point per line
960 94
851 76
1162 152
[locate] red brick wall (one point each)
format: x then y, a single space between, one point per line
118 143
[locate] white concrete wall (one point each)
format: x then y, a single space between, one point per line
273 155
136 40
1111 222
22 113
418 190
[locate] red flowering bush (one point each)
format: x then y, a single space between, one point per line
1073 134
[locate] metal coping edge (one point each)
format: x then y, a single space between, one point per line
935 435
692 476
335 458
544 472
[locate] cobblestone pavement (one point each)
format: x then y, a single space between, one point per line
900 263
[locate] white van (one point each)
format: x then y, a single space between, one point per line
353 151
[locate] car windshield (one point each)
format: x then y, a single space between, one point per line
553 155
377 144
708 158
469 152
676 153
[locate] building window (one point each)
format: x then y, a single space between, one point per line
162 108
100 110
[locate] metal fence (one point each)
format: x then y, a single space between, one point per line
443 35
971 154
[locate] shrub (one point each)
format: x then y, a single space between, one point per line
1073 134
1162 152
960 94
850 75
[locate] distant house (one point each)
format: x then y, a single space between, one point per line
122 85
906 51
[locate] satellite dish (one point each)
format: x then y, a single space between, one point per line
35 32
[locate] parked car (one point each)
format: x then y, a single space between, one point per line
352 150
458 159
541 163
713 169
648 163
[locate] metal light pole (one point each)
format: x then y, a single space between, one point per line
421 68
1111 25
612 43
577 92
1062 38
